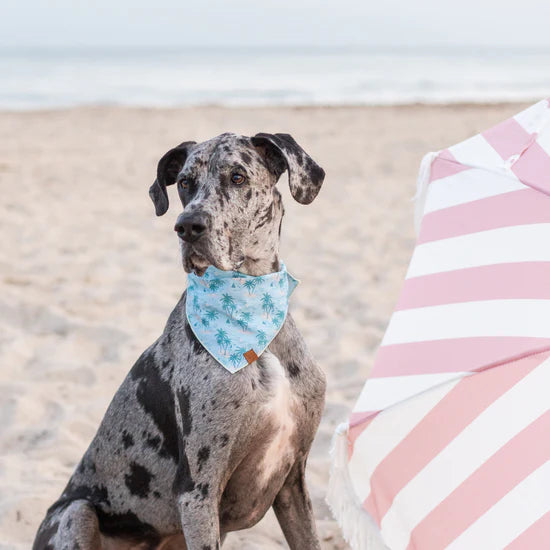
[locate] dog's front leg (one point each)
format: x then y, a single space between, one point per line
200 521
293 509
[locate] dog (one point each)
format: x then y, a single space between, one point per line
188 451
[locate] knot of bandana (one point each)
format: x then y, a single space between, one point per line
236 316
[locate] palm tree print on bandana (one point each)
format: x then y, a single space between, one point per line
233 314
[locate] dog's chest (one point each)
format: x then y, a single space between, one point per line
271 453
280 416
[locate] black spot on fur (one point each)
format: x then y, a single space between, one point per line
127 439
202 457
222 190
230 251
293 369
127 526
198 348
186 418
203 488
44 535
96 495
266 217
183 482
246 158
138 480
206 547
224 440
153 442
248 195
155 397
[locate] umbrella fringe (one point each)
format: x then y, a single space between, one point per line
359 529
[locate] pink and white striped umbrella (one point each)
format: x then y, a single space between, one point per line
448 445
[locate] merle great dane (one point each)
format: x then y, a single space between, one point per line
187 451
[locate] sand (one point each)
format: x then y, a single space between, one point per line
88 274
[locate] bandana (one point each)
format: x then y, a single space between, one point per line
236 316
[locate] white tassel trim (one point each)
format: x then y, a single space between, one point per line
358 528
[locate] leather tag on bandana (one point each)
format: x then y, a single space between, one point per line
250 356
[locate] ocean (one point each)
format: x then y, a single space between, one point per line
231 76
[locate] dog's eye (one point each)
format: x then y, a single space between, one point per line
183 182
237 179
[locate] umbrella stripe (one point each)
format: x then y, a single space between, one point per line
476 151
468 186
380 441
508 137
494 427
510 516
526 318
519 243
487 282
532 117
358 423
450 355
533 168
439 427
383 392
522 207
486 486
445 164
535 536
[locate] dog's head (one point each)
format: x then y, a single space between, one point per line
232 209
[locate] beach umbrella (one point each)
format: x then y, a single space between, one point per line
448 445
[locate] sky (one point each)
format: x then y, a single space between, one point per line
266 23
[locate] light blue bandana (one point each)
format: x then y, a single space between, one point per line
236 316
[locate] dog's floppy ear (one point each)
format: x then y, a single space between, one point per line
281 152
167 171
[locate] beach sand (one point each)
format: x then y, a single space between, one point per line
88 274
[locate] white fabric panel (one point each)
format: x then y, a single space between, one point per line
467 186
522 317
519 243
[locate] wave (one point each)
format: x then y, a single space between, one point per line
160 78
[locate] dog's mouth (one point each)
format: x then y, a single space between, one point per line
197 259
194 261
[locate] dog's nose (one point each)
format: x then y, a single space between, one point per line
190 228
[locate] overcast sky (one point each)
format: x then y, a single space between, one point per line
51 23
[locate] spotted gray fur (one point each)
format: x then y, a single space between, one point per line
177 459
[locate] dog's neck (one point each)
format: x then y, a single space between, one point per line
260 266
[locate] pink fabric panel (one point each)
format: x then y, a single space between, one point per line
451 355
445 165
523 207
489 282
